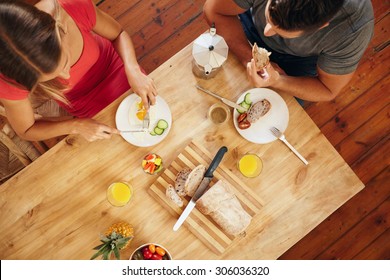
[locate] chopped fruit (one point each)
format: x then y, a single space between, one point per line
152 163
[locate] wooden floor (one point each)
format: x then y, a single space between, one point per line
356 123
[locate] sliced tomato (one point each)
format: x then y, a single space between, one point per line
148 165
150 157
152 168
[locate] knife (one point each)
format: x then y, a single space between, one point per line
224 100
208 176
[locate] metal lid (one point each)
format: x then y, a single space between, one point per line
210 50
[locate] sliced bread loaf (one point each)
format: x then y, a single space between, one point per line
194 179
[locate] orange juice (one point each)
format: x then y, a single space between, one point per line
119 193
250 165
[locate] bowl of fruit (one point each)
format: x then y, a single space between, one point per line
152 163
151 251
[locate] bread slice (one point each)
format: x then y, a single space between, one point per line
258 110
173 196
180 181
194 179
224 208
261 57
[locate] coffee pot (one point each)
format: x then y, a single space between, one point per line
209 52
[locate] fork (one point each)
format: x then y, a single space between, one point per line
277 133
146 120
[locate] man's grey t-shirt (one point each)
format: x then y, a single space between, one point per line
339 46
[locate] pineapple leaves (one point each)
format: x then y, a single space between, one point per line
116 253
100 246
116 238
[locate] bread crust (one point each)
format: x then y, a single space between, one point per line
224 208
261 57
257 110
194 179
181 179
172 195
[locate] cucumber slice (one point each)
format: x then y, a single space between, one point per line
247 98
162 124
158 130
153 133
245 105
240 111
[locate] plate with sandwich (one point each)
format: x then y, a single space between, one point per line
265 109
130 115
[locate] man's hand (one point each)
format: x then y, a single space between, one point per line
266 78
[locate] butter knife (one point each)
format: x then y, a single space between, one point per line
208 176
224 100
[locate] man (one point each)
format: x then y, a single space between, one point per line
316 45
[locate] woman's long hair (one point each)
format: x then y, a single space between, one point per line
29 47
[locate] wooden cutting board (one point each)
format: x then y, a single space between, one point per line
202 226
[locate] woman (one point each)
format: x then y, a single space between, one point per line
71 51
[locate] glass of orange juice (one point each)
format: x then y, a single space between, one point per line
250 165
119 193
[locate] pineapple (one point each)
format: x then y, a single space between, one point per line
117 237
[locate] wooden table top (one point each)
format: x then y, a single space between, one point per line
56 207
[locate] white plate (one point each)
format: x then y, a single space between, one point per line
259 132
126 119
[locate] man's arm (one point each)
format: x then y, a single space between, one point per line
224 14
324 87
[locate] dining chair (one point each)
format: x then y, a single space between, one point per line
16 153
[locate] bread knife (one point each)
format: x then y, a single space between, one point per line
208 176
224 100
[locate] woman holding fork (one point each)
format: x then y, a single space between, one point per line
70 51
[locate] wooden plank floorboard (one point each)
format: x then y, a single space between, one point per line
378 249
174 44
365 232
342 220
374 161
355 145
358 112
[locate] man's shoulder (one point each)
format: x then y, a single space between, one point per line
356 13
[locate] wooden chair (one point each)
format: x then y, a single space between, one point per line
16 153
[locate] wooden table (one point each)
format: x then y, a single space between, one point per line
56 207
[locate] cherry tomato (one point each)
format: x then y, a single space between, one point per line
152 248
146 252
241 117
156 257
160 251
244 124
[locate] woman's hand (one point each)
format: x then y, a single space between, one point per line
261 80
144 86
92 130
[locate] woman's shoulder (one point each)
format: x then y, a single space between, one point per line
82 11
11 92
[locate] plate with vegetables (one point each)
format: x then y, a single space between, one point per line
130 115
266 108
